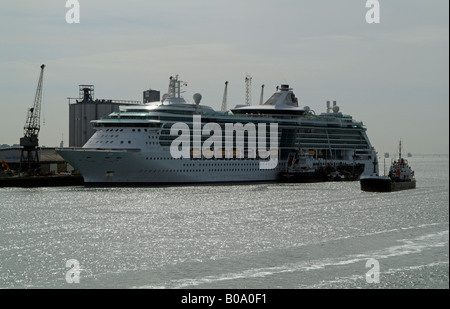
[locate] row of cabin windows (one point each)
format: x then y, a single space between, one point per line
122 142
105 135
221 164
205 164
121 130
213 159
204 170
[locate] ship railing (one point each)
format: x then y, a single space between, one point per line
101 101
309 117
100 149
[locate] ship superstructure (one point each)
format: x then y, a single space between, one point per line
133 146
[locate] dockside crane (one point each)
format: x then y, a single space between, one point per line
30 141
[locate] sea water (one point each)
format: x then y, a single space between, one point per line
258 236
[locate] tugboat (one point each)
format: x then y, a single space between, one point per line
401 177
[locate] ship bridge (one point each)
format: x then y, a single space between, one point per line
281 102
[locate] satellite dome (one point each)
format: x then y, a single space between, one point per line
336 109
307 109
197 98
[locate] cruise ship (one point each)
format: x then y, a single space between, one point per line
142 144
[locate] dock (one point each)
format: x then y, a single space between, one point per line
41 181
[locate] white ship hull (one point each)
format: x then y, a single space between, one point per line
134 167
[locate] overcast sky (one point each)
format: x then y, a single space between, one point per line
393 76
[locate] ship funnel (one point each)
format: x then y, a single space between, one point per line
328 106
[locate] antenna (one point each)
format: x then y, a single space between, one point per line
224 101
261 100
248 89
175 86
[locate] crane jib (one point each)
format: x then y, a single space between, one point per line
30 141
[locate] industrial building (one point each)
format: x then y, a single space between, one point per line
84 110
49 160
151 96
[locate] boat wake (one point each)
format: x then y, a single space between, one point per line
353 263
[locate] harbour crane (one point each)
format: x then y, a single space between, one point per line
30 141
